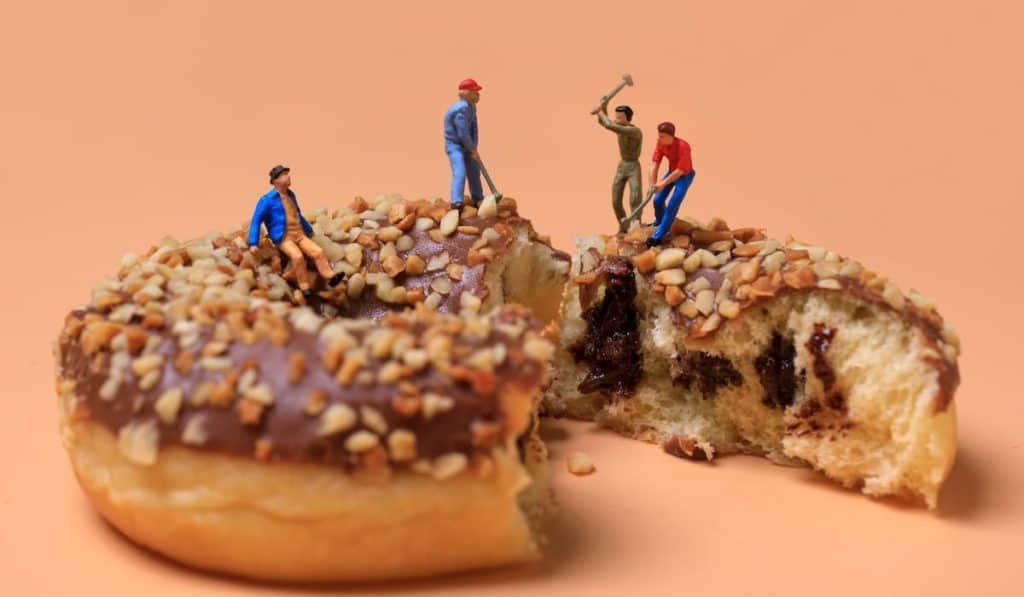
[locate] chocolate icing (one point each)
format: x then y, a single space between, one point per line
292 433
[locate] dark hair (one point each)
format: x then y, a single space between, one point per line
625 110
667 127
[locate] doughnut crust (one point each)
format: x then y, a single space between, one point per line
375 432
723 340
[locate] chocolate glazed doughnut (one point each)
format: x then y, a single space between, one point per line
373 433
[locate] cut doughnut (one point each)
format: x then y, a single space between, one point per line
725 341
373 433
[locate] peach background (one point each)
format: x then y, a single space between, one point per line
890 130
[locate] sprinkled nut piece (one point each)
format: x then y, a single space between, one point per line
449 222
168 404
361 441
402 445
139 442
335 419
580 464
449 465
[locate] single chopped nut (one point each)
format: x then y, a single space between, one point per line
729 309
98 335
434 404
149 380
393 265
360 441
670 277
260 393
692 261
402 445
449 465
670 258
438 262
674 296
711 324
335 419
580 464
705 301
354 361
316 400
414 265
373 420
415 359
194 433
391 372
147 363
441 285
645 262
389 234
893 296
455 271
830 284
139 442
689 309
249 411
449 223
296 367
262 449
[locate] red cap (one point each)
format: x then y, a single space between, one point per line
469 84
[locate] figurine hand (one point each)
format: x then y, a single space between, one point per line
475 155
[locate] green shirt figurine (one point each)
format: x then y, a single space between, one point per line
630 139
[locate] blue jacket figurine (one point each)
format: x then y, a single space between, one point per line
278 210
460 143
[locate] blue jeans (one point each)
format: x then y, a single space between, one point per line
463 167
663 217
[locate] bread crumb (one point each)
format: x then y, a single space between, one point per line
580 464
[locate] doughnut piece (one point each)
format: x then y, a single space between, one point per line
211 418
724 340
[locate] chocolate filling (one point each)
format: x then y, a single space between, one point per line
818 345
611 346
777 372
707 371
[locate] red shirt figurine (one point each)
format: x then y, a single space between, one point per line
678 154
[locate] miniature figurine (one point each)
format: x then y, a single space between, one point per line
279 211
677 180
630 140
460 143
628 170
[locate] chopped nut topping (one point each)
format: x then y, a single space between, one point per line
580 464
449 222
373 420
194 433
139 442
360 441
402 445
671 277
449 465
434 404
335 419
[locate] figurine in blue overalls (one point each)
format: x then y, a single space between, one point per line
460 143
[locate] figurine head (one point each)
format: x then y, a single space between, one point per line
666 133
469 90
623 114
280 176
